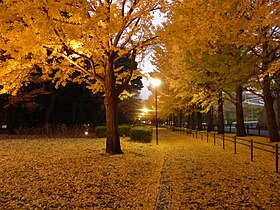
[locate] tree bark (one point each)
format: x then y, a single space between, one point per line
192 121
199 120
240 126
181 118
268 104
188 121
210 120
221 126
113 145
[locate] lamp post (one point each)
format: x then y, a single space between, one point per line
156 83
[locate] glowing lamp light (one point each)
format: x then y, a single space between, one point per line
86 133
156 82
145 110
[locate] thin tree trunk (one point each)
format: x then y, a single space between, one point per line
240 126
111 105
188 121
175 120
210 120
221 126
192 121
277 80
199 121
268 103
181 118
11 119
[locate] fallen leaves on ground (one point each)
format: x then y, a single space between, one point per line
77 173
205 176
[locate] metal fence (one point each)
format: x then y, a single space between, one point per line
222 138
251 129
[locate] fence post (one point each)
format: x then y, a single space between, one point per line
247 129
223 141
230 128
196 134
252 150
277 158
234 144
214 139
207 136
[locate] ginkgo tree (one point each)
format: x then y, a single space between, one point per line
201 26
77 40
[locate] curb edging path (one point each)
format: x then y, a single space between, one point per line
164 198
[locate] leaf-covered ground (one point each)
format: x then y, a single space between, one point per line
77 174
204 176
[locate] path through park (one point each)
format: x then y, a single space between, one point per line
180 173
199 175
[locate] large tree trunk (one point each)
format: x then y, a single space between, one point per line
221 124
268 103
210 120
240 126
113 145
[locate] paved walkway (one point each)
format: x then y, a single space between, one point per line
199 175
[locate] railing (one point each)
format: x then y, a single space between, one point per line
251 129
253 145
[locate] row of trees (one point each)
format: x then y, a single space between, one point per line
213 50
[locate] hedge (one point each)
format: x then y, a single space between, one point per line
141 134
124 130
100 131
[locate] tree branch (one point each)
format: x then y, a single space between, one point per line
127 80
98 77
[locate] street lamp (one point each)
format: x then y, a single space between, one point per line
156 83
145 110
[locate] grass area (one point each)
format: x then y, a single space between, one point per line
77 173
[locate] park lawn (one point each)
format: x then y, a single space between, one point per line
77 173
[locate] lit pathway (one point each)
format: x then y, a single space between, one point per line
198 175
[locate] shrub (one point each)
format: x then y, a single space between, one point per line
124 130
100 131
141 134
175 129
